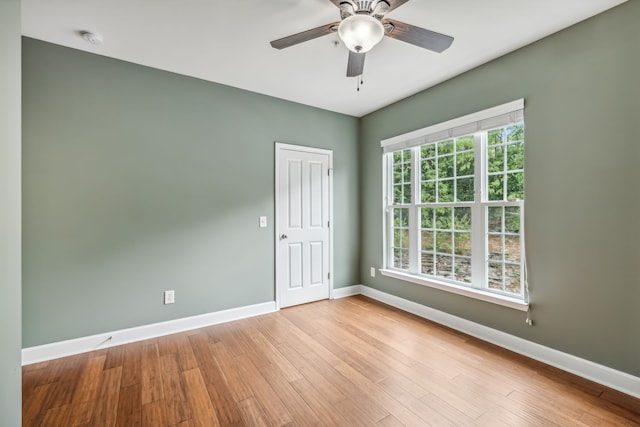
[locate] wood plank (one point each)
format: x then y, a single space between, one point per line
254 414
186 357
132 364
177 409
302 413
273 355
115 357
152 387
106 405
202 411
235 382
89 380
154 414
226 408
271 403
129 412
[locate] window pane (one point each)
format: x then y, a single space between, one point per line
445 167
406 193
445 191
406 172
515 132
397 194
462 218
515 186
445 147
496 187
401 217
444 242
495 137
443 218
495 219
463 269
402 177
495 275
495 247
397 173
401 238
464 143
464 164
495 159
427 264
512 219
427 240
401 259
515 156
427 151
463 244
464 190
512 248
444 263
428 169
429 192
512 278
427 218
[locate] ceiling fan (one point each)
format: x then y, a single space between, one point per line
363 25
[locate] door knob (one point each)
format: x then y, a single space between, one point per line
283 236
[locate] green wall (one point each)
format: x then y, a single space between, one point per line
582 226
137 181
10 306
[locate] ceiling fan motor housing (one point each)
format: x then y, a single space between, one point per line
364 6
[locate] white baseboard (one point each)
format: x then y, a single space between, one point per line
601 374
109 339
347 291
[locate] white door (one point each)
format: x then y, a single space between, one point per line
303 215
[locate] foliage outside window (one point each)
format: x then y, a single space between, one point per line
455 209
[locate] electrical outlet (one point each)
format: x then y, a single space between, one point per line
169 297
373 272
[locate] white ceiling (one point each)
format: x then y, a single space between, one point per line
228 41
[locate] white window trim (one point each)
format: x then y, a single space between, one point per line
472 123
467 291
482 120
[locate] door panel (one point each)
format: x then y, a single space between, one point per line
303 237
295 265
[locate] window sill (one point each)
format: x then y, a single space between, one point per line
478 294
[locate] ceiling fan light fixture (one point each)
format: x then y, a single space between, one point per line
360 32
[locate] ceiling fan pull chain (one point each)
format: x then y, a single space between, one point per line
360 81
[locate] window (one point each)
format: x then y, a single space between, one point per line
454 200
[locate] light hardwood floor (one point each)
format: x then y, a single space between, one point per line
347 362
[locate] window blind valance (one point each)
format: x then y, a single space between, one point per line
495 117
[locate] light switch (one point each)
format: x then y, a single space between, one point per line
263 222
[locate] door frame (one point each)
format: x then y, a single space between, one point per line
279 146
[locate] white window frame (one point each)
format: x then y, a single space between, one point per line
476 124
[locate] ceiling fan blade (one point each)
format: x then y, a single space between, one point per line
394 4
417 36
305 36
355 65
